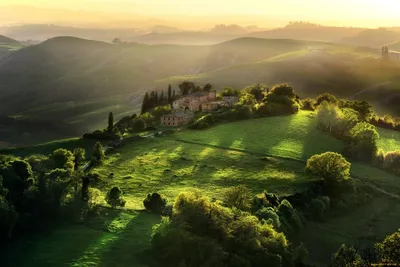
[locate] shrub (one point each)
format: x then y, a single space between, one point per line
346 256
308 104
363 142
326 97
98 152
138 125
330 166
203 122
289 217
363 108
238 197
155 203
300 255
317 209
389 248
328 116
391 161
270 216
101 135
114 197
63 159
79 156
379 159
203 233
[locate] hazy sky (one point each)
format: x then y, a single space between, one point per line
370 13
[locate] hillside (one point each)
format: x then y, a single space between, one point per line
76 82
394 46
263 154
7 41
314 72
309 32
373 38
71 83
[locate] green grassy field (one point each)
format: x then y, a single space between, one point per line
48 148
263 154
115 238
389 140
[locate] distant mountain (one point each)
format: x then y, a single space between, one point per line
394 46
373 38
8 41
70 84
66 85
308 32
183 38
43 32
164 29
232 29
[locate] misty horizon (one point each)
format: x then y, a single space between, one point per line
198 15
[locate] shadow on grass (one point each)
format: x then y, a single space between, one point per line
60 246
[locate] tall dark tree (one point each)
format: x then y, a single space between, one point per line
161 99
169 99
156 100
145 104
110 122
207 87
153 100
173 95
187 87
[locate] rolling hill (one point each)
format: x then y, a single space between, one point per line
76 82
373 38
73 83
8 41
263 154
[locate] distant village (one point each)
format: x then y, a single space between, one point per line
183 108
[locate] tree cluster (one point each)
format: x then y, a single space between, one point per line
384 253
280 100
204 233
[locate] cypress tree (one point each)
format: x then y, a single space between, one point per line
173 95
161 100
145 104
169 100
110 122
156 100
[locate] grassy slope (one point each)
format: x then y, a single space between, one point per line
115 238
389 140
216 158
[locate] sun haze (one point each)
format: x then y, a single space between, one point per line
365 13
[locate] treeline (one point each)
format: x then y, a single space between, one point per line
242 229
154 99
254 101
38 191
353 122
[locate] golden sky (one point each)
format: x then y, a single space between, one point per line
369 13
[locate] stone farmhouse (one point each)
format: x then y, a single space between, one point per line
177 118
194 101
183 108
